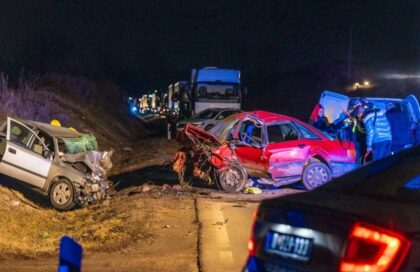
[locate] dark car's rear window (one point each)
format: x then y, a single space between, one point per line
394 177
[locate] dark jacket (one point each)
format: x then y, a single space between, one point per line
322 123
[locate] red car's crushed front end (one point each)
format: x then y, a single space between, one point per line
201 151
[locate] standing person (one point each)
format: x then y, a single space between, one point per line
318 119
346 127
378 132
359 131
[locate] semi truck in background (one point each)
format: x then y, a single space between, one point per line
177 94
213 87
209 87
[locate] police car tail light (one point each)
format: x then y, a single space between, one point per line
370 248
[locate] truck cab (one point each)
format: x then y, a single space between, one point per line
213 87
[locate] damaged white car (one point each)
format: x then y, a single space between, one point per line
56 161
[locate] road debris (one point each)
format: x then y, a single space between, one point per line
145 188
128 149
253 190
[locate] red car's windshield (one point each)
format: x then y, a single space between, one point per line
224 128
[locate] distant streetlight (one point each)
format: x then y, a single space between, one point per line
366 84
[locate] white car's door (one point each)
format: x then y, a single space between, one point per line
23 158
415 114
334 104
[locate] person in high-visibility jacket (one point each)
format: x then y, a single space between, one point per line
378 132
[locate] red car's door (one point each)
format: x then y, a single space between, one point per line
285 155
249 147
251 159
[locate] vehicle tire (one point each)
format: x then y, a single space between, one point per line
62 195
232 179
208 127
315 174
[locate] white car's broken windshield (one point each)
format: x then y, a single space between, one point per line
83 143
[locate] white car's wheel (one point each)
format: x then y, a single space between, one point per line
315 174
62 195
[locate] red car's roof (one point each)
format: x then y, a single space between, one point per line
271 117
268 117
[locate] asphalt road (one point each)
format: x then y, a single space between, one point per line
224 233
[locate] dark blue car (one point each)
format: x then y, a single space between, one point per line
367 220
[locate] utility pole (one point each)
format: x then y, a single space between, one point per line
349 62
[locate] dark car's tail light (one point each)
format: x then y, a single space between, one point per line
251 265
374 249
251 241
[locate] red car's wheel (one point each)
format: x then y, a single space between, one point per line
315 174
232 179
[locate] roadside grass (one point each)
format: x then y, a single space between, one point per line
28 232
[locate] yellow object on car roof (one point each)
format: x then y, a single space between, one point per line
55 122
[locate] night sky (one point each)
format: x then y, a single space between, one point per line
149 44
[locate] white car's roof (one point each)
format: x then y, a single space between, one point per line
59 132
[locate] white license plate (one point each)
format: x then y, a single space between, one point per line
289 246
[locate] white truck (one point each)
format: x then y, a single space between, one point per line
213 87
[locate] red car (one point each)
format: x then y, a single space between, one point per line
274 148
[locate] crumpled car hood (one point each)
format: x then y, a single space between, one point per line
193 135
98 162
96 184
